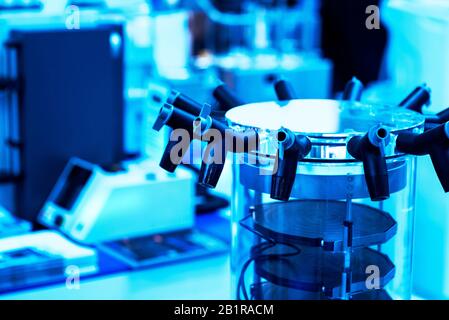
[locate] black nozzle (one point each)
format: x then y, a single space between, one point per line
226 98
417 99
177 120
370 150
210 174
170 160
284 90
291 149
216 152
213 164
443 116
184 103
198 121
435 143
353 90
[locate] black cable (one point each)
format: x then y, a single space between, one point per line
260 249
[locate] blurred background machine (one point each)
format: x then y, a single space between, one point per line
267 40
88 204
51 116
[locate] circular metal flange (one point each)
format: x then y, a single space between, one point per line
316 270
319 223
320 186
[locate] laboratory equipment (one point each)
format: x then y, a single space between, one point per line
68 102
43 257
256 42
323 200
351 208
310 74
93 206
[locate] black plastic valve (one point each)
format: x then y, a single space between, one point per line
437 119
417 99
370 149
175 119
216 152
184 103
284 90
186 113
291 149
226 98
213 164
442 116
214 158
353 90
435 143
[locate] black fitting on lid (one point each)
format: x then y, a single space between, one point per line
443 116
284 90
435 143
353 90
185 103
417 99
213 164
214 158
216 152
370 149
175 119
201 122
436 119
195 118
226 98
170 161
291 149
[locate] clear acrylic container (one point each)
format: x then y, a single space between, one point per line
330 240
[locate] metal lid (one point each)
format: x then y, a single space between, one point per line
328 123
323 118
